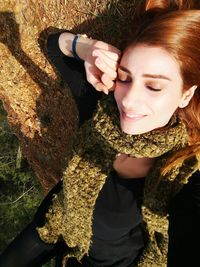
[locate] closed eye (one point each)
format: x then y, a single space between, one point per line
122 81
154 89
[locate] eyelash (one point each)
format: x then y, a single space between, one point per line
153 89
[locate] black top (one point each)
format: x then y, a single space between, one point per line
117 213
117 235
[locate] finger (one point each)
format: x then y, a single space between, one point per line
104 84
107 55
95 81
112 63
108 82
107 47
101 88
105 68
113 49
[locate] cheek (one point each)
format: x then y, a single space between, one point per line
166 105
118 94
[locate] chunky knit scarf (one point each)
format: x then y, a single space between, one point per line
95 148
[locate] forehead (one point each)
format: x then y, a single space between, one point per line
142 59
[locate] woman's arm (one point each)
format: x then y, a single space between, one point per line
101 59
74 72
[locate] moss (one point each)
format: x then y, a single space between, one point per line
20 193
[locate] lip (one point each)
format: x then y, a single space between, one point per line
130 117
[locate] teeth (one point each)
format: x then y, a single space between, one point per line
133 115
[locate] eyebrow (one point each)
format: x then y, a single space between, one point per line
154 76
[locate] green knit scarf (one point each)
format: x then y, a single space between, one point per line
95 148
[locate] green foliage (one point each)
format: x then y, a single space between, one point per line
20 193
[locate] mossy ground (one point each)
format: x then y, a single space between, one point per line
20 192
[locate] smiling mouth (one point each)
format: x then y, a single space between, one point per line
132 117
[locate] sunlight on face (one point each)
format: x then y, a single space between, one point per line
148 88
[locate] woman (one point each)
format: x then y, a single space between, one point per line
100 217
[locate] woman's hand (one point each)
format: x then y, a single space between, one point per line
101 64
101 59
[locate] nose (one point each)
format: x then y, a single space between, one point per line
132 97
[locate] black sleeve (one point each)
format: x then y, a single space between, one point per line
184 226
73 73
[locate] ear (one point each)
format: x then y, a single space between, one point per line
187 96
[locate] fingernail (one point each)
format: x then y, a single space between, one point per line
95 53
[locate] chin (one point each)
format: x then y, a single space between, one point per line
133 131
135 128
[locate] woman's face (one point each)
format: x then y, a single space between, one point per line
148 88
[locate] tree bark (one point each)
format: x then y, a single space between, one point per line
40 111
40 108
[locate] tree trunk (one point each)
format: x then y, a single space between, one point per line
40 109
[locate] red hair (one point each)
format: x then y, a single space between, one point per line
175 26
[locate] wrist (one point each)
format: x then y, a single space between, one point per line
83 45
65 43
